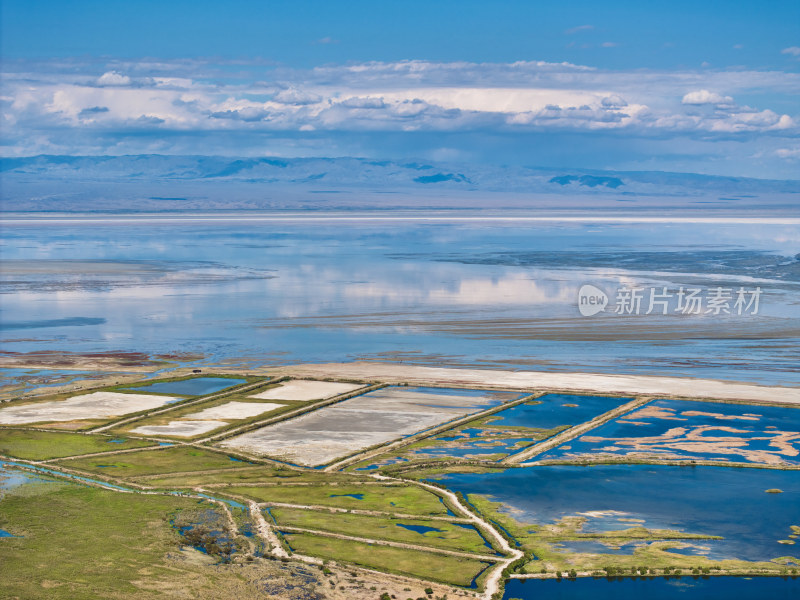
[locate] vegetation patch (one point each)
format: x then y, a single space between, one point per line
150 462
433 567
405 499
434 533
31 444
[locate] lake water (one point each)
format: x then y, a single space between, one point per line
198 386
699 500
553 410
657 588
475 293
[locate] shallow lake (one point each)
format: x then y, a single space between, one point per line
657 588
198 386
471 293
700 500
552 410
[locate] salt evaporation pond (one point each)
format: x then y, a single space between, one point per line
199 386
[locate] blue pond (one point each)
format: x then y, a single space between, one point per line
677 428
700 500
557 409
6 534
656 588
356 496
198 386
422 529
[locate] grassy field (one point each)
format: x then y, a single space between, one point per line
435 567
176 459
83 543
450 536
42 445
245 475
400 499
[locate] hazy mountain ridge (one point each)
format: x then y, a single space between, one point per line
151 182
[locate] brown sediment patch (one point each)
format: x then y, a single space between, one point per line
720 416
179 356
695 440
655 412
87 361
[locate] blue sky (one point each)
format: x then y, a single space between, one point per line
694 86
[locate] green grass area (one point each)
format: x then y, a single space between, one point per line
449 535
406 499
244 475
434 567
175 459
82 542
42 445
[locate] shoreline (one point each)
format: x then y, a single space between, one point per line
597 383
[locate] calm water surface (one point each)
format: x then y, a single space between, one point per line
700 500
658 588
463 293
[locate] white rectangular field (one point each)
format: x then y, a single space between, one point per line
208 419
304 390
234 410
97 405
180 428
377 417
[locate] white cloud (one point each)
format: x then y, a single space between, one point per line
113 78
523 97
788 153
295 96
609 45
700 97
792 50
363 102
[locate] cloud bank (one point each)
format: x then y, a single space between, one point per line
75 107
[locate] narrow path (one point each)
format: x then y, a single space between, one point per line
492 582
573 432
264 529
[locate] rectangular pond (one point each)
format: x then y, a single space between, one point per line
380 416
197 386
509 430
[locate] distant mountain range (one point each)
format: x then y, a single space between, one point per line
181 183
